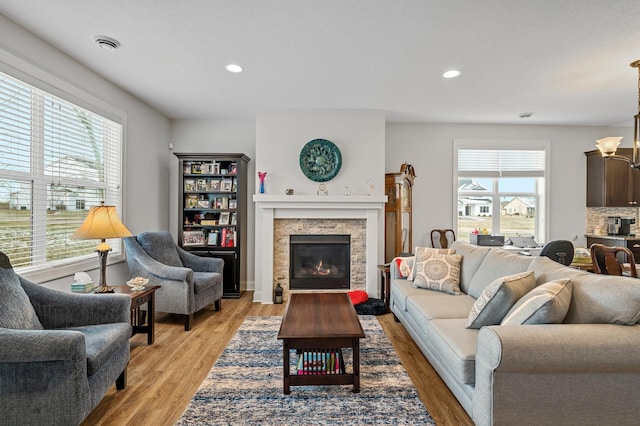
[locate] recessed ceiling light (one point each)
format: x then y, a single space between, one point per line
106 43
234 68
451 74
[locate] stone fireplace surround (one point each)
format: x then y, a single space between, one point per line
270 208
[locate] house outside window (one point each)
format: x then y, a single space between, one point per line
501 188
57 160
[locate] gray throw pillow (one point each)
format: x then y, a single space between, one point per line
545 304
498 298
16 311
437 271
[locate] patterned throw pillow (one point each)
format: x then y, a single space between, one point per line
498 298
437 271
420 251
405 265
545 304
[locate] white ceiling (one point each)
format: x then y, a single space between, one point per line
567 61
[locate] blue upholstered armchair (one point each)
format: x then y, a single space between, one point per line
188 282
59 352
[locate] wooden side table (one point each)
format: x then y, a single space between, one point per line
139 298
385 293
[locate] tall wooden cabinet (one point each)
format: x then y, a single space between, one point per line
398 211
611 182
212 211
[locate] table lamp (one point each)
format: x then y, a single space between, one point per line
102 222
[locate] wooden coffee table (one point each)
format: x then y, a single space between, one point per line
321 323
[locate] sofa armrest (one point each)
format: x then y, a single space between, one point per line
58 309
43 376
557 374
200 263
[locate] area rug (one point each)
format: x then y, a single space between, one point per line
244 387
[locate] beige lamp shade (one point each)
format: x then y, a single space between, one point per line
609 145
102 223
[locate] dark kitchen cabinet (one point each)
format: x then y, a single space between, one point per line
611 182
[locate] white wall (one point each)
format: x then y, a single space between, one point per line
359 135
429 148
210 136
146 177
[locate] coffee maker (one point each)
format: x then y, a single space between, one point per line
617 225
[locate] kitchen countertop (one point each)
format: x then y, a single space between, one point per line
614 237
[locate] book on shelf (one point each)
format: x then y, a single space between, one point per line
319 362
214 185
189 184
226 185
190 201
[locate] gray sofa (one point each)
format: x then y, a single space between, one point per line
59 352
583 371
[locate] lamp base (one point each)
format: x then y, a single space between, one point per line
104 289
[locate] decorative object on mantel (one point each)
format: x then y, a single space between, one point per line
371 186
608 146
262 176
322 189
320 160
289 191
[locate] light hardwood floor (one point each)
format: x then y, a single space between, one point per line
163 377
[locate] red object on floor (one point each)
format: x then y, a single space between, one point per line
358 296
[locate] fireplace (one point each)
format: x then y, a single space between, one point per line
319 262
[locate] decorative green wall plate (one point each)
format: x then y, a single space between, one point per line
320 160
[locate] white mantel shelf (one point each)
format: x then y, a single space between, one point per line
320 201
270 207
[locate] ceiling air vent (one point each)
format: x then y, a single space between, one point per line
106 43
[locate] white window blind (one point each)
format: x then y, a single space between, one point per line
57 160
501 163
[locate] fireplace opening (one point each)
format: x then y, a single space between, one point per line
319 262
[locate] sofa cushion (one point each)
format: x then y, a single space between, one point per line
16 310
498 298
102 341
401 290
497 263
160 246
545 304
595 299
437 271
436 305
455 346
472 257
419 255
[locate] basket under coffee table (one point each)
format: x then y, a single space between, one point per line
321 323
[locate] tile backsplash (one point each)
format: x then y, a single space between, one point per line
597 217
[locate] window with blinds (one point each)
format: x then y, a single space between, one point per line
501 190
57 160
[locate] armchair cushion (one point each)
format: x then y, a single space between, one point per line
102 341
205 280
16 310
160 246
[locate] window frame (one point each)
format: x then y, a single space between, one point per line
542 193
33 75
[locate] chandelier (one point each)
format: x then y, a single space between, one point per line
609 145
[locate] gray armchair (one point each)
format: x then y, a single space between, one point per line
59 352
188 282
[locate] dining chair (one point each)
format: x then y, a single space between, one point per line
613 260
442 238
